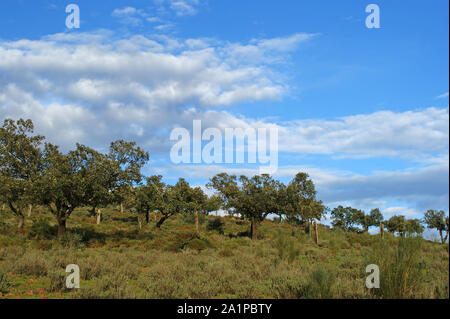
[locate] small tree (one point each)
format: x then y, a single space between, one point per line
437 220
347 217
20 162
298 201
396 224
367 220
62 184
414 226
173 200
99 174
150 196
129 160
227 189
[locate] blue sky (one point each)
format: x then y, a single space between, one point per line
363 111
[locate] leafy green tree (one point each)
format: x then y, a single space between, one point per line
212 204
149 197
414 226
396 224
195 202
298 201
20 163
256 199
375 218
227 189
367 220
437 220
62 184
99 174
173 200
347 217
129 159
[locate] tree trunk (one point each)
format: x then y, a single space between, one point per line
30 207
93 211
61 227
139 222
197 226
161 221
253 229
99 216
442 238
147 217
21 221
316 233
121 207
382 230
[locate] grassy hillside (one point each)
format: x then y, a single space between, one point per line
119 260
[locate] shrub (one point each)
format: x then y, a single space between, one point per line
5 284
215 225
112 286
286 247
32 263
57 281
321 283
226 252
41 229
400 268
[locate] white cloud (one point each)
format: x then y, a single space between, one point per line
155 83
400 210
183 8
178 7
442 96
413 135
129 15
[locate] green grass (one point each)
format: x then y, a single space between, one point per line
119 260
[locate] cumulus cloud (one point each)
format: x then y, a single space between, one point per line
129 15
153 83
178 7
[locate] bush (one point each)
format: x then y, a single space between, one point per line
112 286
215 225
32 263
57 281
321 283
198 244
285 245
41 229
401 270
5 284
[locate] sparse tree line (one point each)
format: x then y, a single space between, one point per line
35 172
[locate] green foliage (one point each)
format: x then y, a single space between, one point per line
286 247
401 269
321 284
5 283
41 229
57 282
437 220
20 163
215 225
